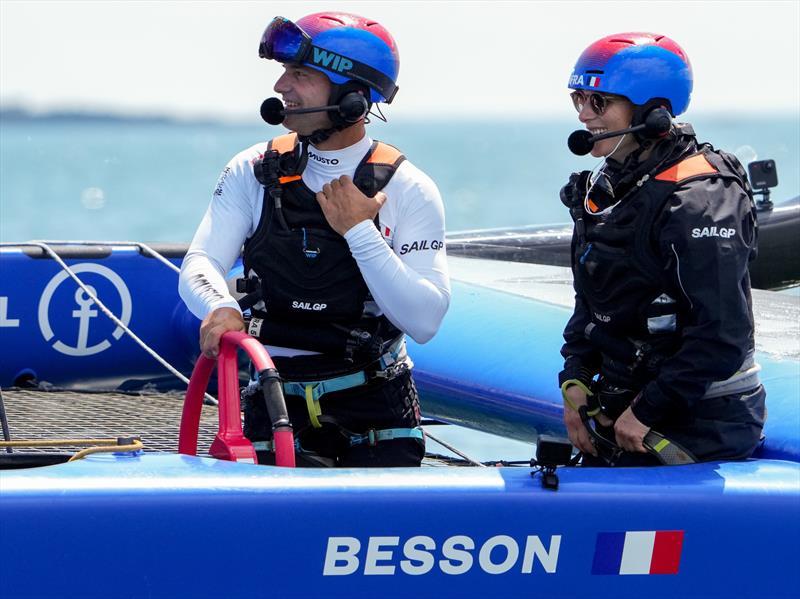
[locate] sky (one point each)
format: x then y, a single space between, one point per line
502 59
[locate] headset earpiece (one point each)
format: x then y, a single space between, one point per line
656 116
657 123
352 107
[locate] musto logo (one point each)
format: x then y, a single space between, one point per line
69 318
455 555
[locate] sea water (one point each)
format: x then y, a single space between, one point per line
145 181
152 182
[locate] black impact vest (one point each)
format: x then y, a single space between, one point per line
311 290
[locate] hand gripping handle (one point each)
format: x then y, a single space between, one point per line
229 443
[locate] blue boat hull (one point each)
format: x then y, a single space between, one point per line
166 525
175 526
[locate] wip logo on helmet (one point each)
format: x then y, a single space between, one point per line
332 61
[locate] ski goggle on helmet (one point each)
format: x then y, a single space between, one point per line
642 67
343 46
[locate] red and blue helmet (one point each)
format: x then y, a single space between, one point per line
343 46
640 66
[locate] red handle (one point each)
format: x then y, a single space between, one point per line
230 443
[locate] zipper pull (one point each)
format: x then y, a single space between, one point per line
309 253
586 253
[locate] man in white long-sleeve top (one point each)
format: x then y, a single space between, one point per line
343 251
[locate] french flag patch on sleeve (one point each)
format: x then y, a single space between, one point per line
638 552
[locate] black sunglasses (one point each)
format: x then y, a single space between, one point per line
598 102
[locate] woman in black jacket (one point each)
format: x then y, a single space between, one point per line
662 332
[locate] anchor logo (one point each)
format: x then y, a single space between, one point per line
85 312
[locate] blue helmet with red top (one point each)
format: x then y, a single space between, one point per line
643 67
343 46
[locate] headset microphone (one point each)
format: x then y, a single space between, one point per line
351 108
579 142
272 111
656 124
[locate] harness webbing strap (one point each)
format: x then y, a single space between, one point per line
372 436
316 389
312 404
313 390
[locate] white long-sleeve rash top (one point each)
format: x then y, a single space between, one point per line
404 263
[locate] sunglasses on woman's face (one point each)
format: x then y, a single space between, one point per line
598 102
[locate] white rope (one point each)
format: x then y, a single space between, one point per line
147 249
142 246
107 312
454 450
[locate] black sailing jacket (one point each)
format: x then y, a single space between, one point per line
666 269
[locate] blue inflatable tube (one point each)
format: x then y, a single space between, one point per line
166 525
180 527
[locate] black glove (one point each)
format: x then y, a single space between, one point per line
573 192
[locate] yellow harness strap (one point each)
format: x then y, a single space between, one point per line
313 406
569 383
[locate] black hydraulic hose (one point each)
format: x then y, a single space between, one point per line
4 422
597 437
272 389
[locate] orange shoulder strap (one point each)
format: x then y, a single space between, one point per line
688 167
284 143
384 154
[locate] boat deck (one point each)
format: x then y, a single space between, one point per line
35 414
154 417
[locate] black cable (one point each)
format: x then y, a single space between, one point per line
431 422
4 422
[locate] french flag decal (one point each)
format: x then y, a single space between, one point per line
594 81
638 552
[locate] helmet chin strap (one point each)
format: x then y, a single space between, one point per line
320 135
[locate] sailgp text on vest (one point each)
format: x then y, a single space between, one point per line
316 307
724 232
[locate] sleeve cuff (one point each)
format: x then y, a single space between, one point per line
226 304
575 372
360 232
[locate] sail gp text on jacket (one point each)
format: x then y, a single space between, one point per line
419 246
421 554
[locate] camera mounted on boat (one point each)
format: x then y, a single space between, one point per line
551 452
763 175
